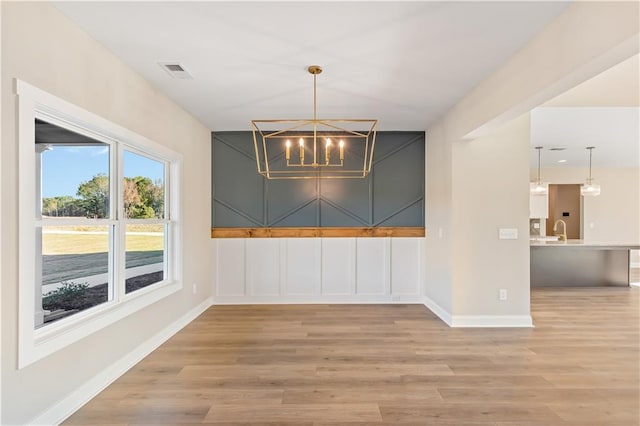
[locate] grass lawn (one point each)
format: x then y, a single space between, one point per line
79 251
83 242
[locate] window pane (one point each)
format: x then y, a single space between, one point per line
145 255
74 173
143 187
75 269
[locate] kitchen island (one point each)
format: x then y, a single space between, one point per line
579 263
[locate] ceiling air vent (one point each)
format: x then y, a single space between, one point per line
557 149
175 70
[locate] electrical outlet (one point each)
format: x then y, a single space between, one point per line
195 288
503 294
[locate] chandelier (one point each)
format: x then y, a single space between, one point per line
314 148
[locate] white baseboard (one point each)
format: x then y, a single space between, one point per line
438 310
72 402
477 320
311 299
491 321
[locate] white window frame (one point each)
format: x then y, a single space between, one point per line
35 344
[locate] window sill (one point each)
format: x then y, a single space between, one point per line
37 344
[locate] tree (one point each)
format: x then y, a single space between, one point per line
50 206
95 196
143 199
62 205
135 202
156 198
131 198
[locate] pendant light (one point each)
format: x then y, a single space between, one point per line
590 189
537 187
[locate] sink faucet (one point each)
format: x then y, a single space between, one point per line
563 236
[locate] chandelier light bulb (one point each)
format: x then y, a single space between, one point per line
301 143
327 152
287 153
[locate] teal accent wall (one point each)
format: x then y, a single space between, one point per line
392 194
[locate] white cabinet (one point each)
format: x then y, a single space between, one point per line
539 204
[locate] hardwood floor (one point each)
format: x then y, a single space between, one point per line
328 365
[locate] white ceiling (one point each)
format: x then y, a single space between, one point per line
404 63
614 131
601 112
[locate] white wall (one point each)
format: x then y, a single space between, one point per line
491 191
614 215
586 39
45 49
466 263
317 270
438 267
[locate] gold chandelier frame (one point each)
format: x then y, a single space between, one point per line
338 148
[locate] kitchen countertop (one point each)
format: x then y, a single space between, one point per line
584 244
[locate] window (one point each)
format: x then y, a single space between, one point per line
104 240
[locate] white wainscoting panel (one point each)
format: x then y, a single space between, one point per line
230 267
338 272
318 270
263 266
372 266
406 266
303 266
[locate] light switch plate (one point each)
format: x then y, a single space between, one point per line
508 233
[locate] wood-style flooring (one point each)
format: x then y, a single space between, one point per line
322 365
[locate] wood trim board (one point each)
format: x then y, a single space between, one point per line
312 232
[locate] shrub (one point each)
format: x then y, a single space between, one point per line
64 297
